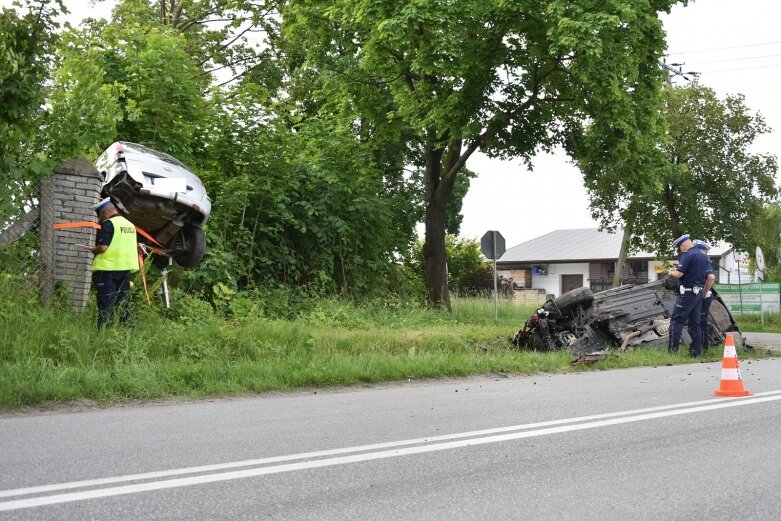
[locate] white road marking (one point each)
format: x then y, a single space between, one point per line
364 453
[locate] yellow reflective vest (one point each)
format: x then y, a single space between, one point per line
122 252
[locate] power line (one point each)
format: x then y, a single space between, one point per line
740 59
726 48
742 68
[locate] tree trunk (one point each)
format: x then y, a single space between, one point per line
439 179
672 211
618 276
434 253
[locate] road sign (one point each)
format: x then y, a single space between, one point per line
760 259
492 244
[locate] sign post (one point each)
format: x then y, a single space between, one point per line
760 275
740 283
492 246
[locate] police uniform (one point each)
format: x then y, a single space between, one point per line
112 268
688 305
703 248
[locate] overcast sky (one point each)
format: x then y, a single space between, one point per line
736 46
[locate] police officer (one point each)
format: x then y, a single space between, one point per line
691 274
116 258
703 247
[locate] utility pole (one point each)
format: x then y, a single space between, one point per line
675 72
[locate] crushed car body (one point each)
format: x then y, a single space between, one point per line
158 193
626 317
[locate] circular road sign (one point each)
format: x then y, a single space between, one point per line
760 259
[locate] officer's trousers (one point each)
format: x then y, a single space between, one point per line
113 293
687 310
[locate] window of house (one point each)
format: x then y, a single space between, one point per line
637 269
608 270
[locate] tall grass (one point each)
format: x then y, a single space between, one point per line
53 355
769 323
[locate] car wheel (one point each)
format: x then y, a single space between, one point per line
194 245
572 298
720 322
541 342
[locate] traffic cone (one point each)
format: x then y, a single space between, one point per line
731 383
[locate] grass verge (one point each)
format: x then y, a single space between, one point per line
769 323
53 356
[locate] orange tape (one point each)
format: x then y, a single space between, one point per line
143 279
78 224
147 236
90 224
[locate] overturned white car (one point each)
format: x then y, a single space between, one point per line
159 194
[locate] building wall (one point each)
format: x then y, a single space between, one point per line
551 281
522 278
731 271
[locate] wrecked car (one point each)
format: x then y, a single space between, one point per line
158 193
620 318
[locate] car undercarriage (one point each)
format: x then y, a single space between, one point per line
618 319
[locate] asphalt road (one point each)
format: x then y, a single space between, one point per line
770 341
647 443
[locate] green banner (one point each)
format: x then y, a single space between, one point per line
751 298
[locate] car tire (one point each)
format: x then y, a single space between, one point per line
720 323
541 342
194 245
572 298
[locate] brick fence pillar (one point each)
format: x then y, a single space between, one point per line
68 197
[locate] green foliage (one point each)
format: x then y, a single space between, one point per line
27 40
137 83
769 323
303 208
83 100
703 179
468 271
452 77
764 229
306 207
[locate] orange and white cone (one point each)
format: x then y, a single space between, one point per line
731 383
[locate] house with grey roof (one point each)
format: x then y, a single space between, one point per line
563 260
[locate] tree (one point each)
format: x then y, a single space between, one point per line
27 40
507 78
706 181
83 100
138 83
765 232
224 36
301 207
467 268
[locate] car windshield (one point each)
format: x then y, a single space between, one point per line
134 147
